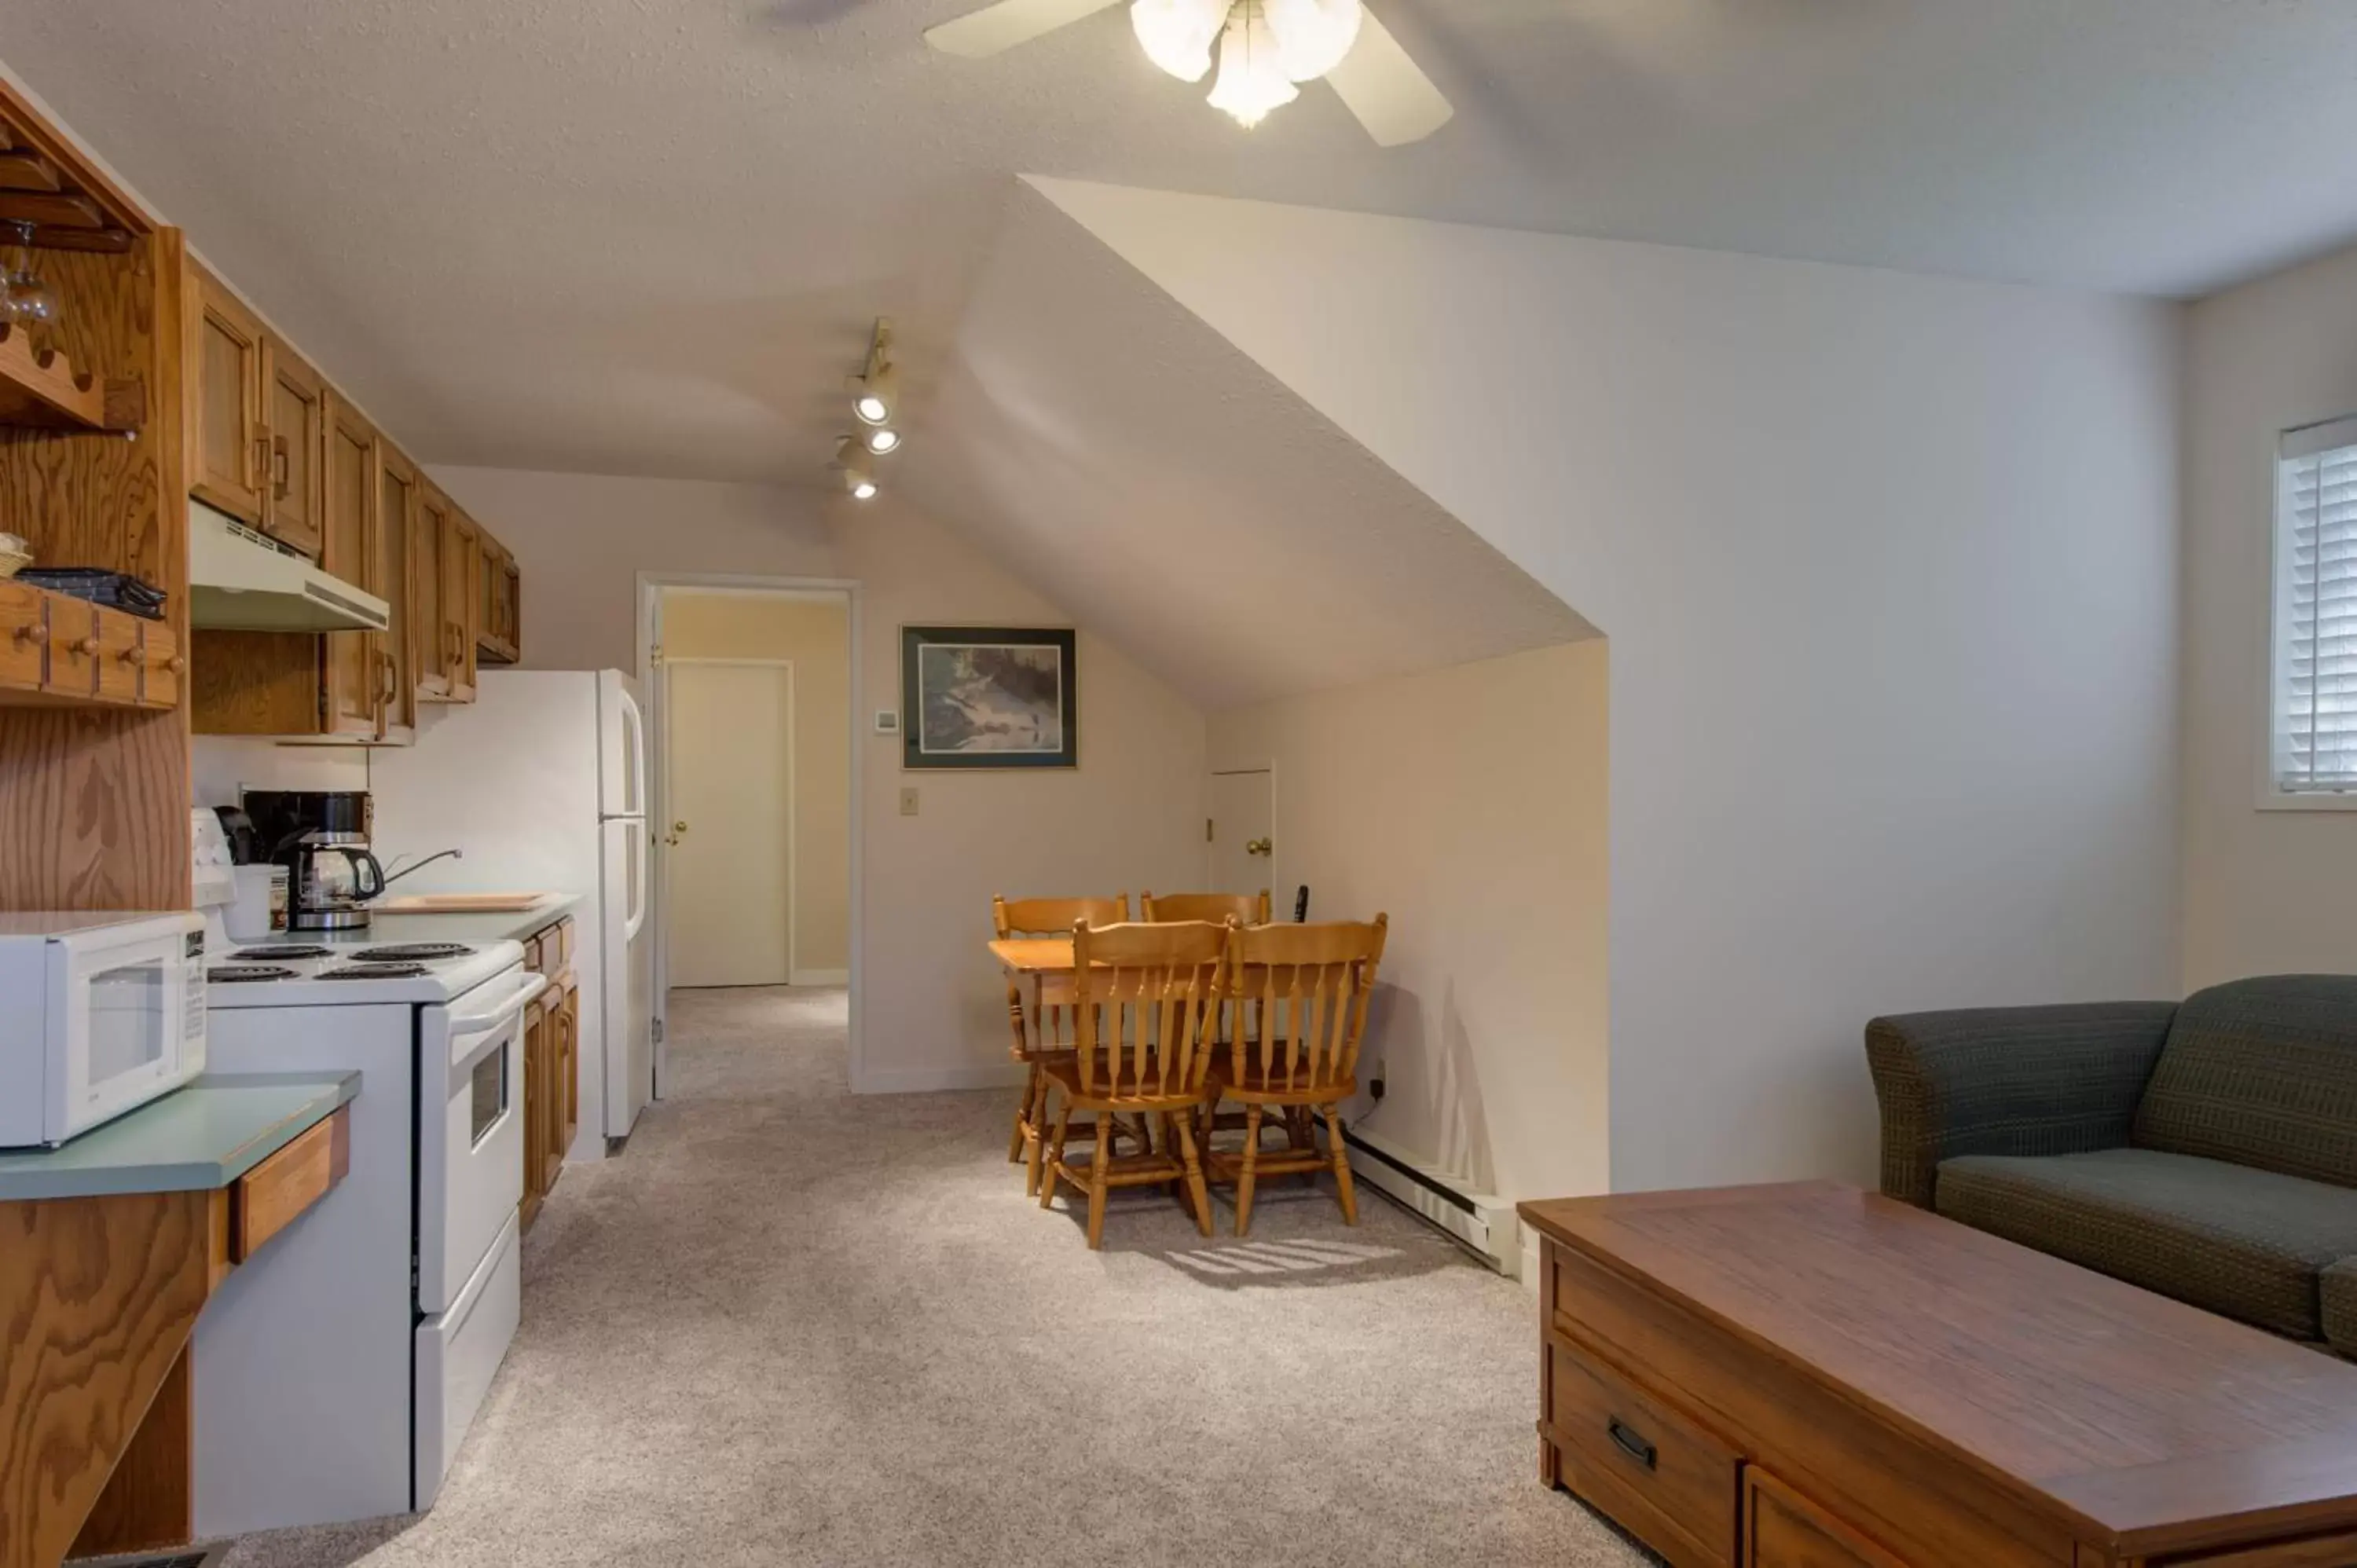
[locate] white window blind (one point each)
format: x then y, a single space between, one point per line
2315 705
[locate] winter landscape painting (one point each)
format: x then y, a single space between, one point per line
987 697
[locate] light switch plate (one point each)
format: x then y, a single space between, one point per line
886 722
909 800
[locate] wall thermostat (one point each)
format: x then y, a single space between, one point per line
888 724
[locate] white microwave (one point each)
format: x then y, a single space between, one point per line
100 1013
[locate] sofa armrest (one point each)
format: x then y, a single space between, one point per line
2337 1293
2007 1080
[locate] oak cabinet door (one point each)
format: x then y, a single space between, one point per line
564 1083
395 647
224 396
355 686
293 449
462 560
429 635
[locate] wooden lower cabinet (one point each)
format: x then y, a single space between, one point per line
552 1065
1782 1528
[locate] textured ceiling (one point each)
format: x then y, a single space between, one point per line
645 236
1100 440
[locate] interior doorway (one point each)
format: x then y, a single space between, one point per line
1243 831
754 687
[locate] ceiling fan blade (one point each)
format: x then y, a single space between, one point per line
1388 92
981 34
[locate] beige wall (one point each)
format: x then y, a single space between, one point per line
1468 803
815 636
2266 891
931 1009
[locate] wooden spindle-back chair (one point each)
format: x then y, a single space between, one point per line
1245 908
1298 999
1044 1031
1148 1008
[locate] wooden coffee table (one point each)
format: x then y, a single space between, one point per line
1814 1377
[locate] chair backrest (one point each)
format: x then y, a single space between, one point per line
1301 1001
1245 909
1148 1000
2261 1072
1054 916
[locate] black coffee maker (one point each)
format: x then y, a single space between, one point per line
321 837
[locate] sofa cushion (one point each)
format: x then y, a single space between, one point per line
2261 1072
2339 1301
2248 1243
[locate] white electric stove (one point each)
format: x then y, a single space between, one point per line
337 1372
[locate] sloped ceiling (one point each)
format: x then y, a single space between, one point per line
647 236
1105 443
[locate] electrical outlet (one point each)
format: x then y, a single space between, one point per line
909 800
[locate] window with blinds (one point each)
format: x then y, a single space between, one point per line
2315 705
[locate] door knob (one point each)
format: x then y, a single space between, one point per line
1259 846
679 827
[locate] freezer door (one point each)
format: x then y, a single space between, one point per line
621 746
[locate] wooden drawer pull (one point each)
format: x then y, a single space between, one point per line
176 663
129 655
28 634
88 645
1624 1437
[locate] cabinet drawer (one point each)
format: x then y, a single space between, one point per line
24 636
73 649
1782 1528
565 942
535 952
161 665
1605 1425
118 657
270 1197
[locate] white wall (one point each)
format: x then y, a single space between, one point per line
2273 891
1888 567
933 1008
1469 804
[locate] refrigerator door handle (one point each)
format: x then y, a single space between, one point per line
634 731
637 829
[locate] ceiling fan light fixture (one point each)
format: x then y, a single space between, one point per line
1178 35
1252 71
1312 36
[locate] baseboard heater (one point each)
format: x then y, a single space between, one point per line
1483 1222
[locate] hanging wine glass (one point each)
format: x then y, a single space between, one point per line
30 303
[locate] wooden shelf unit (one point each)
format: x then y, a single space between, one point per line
95 790
39 388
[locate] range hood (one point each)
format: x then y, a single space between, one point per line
240 581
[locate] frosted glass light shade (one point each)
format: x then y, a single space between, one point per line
1312 36
1251 71
1178 35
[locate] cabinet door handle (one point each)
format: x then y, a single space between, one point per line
278 467
1628 1443
260 457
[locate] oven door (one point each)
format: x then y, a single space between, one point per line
131 1020
470 1130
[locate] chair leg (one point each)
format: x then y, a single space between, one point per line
1341 1165
1055 1159
1035 1136
1099 1180
1252 1115
1023 1118
1196 1190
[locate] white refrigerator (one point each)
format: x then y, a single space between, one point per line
542 782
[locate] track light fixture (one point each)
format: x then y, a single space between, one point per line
876 390
883 439
851 455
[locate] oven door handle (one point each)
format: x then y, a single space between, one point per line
468 1028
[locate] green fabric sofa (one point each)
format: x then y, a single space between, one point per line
2206 1149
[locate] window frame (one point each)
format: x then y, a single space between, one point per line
2272 795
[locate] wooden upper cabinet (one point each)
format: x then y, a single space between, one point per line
397 524
462 569
429 637
352 674
293 448
224 399
498 634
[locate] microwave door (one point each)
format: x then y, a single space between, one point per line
129 1029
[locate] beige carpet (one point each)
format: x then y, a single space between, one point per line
793 1327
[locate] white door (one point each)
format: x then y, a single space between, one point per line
1242 835
728 761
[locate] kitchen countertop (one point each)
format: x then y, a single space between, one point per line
473 928
198 1138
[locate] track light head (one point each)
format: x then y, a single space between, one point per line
876 390
883 439
851 455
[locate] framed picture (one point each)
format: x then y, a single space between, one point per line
975 697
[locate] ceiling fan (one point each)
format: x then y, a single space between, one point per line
1265 47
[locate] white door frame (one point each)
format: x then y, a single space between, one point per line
794 970
650 635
